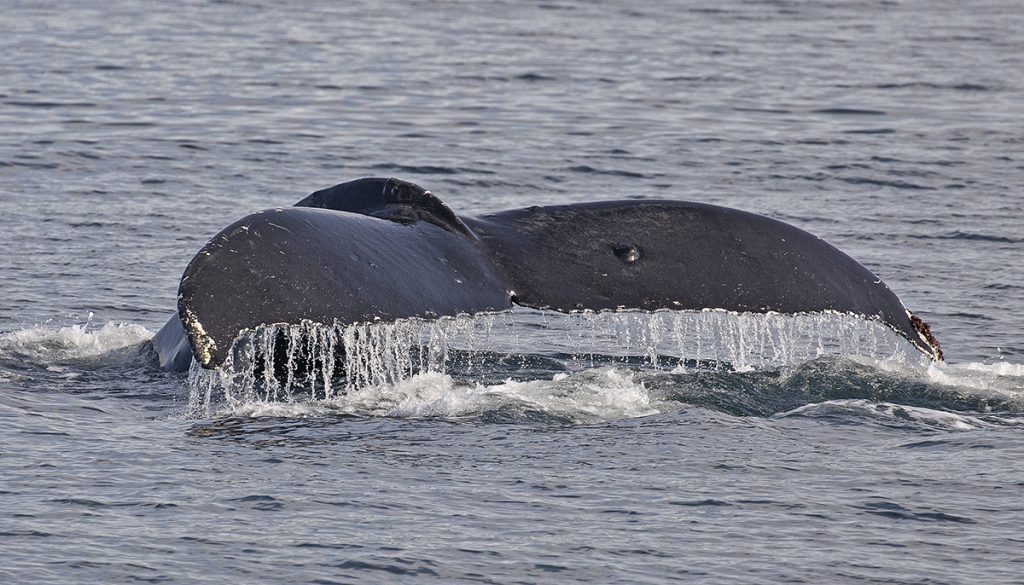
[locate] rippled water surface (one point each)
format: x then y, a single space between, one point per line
540 448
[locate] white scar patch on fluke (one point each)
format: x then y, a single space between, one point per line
204 345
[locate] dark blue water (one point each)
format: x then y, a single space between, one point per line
131 132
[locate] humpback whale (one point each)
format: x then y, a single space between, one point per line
382 249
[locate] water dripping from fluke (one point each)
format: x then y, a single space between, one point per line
311 363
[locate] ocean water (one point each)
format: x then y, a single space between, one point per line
532 447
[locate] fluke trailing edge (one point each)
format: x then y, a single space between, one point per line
384 249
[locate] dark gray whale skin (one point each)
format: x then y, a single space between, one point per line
380 249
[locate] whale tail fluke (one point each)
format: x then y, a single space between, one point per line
383 249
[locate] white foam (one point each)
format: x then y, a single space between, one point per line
260 409
604 394
999 369
73 342
431 394
1001 379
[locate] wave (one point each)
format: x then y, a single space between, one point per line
900 416
45 345
593 368
961 235
545 368
831 389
